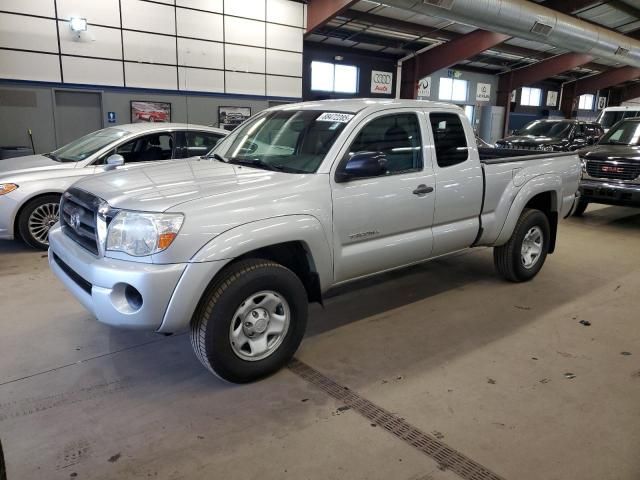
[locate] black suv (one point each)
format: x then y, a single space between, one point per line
553 136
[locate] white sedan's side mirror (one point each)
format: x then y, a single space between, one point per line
114 161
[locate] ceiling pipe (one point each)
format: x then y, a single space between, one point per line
531 21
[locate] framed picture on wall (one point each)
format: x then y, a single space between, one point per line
230 117
143 111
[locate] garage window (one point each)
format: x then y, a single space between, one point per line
531 97
329 77
453 89
449 138
586 102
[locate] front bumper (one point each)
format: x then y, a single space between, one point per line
8 209
610 193
126 294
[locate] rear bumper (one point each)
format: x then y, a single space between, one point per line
610 193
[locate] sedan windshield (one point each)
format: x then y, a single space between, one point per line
539 128
292 141
624 133
86 146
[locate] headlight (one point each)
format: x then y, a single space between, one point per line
140 234
7 187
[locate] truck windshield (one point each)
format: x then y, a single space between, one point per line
625 133
293 141
539 128
86 146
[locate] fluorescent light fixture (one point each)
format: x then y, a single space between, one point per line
78 24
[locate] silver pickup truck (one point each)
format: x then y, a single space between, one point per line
297 200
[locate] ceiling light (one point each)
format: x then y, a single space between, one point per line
78 24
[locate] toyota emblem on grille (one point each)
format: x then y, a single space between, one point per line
74 220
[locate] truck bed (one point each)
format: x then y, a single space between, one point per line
504 155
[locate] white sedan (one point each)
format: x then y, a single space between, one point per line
30 187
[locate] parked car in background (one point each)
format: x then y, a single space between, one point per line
553 136
611 115
300 199
30 187
611 170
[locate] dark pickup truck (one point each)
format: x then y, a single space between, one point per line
553 136
611 169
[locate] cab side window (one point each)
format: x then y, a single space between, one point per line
397 137
199 143
449 139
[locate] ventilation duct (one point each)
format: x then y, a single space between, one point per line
528 20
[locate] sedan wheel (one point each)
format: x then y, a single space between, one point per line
36 219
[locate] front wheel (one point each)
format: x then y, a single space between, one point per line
251 321
36 219
522 257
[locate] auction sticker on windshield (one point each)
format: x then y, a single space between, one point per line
335 117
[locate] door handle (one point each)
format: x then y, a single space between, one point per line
422 190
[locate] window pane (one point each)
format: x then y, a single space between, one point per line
322 76
346 79
459 91
468 111
586 102
397 136
446 89
199 143
450 139
536 97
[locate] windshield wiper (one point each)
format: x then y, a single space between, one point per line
258 163
217 156
52 157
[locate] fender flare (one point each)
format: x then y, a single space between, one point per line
537 185
251 236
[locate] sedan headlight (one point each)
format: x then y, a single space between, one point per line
140 234
7 188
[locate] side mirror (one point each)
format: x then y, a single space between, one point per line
362 165
114 161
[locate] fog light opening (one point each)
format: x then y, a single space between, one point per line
133 296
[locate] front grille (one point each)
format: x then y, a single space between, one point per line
78 210
613 170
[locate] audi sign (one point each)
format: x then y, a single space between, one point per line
381 82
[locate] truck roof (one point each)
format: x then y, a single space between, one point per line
355 105
152 127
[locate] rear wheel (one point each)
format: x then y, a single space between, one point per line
36 219
522 257
580 208
250 321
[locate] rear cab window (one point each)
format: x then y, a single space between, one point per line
449 138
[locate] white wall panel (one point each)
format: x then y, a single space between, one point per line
207 26
199 80
245 9
150 17
101 12
29 66
95 42
208 5
285 11
284 38
146 47
150 76
244 32
244 59
284 86
28 33
91 71
198 53
245 83
284 63
44 8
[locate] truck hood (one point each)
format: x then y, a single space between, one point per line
163 186
531 141
628 153
31 164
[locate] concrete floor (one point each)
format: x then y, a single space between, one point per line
447 346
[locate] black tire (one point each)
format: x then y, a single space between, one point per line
580 208
210 327
25 215
508 257
3 469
